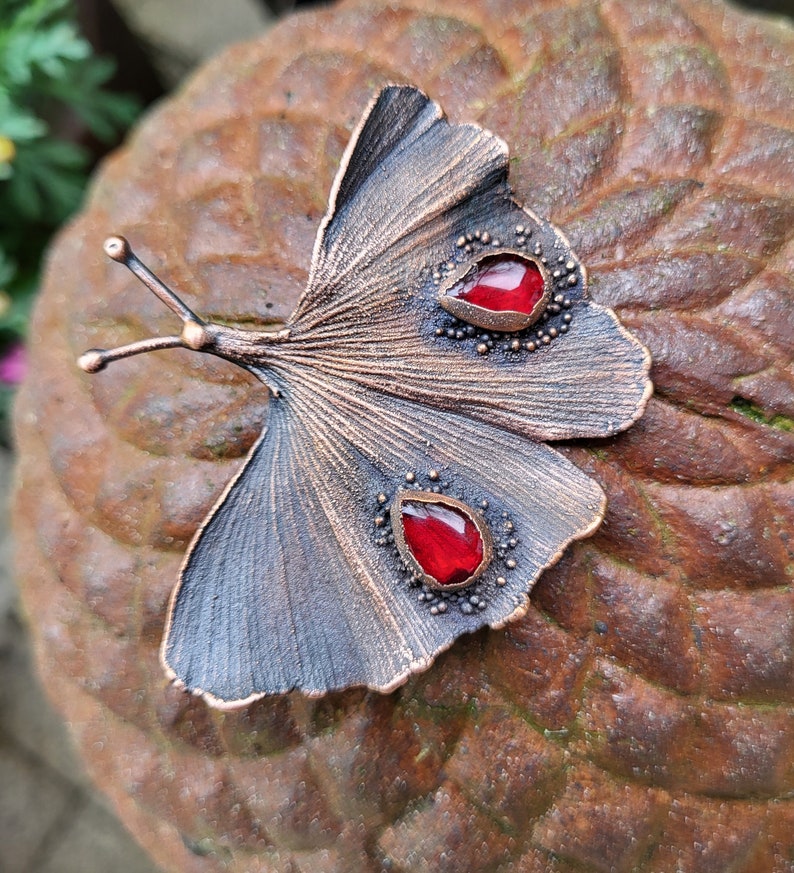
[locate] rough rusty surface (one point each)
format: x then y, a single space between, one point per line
641 717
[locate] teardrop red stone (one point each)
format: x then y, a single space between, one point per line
444 541
502 283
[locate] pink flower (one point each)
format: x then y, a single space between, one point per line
13 364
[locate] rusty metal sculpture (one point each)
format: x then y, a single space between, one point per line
400 494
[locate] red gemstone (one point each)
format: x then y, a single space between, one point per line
502 283
444 541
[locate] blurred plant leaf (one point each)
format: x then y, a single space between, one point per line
16 123
49 179
103 112
47 73
8 269
50 50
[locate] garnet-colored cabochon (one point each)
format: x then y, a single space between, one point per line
502 283
444 541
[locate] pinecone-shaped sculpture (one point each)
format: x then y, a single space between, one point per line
641 716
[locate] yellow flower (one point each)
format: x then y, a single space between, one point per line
7 150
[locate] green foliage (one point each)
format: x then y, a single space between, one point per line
759 416
48 76
47 71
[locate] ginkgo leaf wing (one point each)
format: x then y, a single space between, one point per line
292 584
404 166
406 212
257 609
591 382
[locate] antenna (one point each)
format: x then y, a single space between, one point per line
194 332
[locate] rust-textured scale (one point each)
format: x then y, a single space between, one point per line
298 579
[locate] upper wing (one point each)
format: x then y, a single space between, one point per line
291 584
403 167
416 200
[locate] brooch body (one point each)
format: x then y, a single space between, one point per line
402 493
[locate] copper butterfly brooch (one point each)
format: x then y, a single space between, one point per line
401 493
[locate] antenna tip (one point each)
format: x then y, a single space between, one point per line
117 248
92 361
